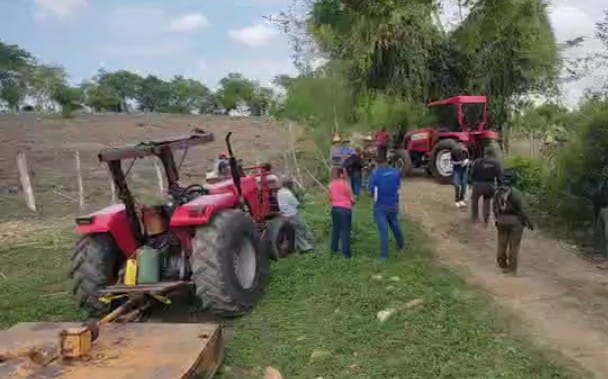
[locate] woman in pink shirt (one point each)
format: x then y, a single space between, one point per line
342 200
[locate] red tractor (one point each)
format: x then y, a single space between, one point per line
461 120
217 238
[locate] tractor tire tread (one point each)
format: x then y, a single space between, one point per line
93 266
210 258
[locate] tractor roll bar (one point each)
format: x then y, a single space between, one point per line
146 149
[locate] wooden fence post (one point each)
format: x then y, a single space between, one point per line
80 184
26 183
159 176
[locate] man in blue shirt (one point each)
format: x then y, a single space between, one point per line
384 185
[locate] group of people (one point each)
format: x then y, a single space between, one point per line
384 184
495 186
343 192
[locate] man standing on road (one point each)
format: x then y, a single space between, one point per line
511 217
354 168
600 205
289 208
382 141
460 164
384 185
485 172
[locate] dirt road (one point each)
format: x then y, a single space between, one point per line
559 299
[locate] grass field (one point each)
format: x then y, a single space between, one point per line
319 316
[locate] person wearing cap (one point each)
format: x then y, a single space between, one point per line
289 208
511 217
221 165
484 173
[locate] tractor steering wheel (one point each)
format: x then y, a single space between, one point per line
184 195
194 190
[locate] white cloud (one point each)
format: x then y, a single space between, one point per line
135 32
58 9
188 23
256 35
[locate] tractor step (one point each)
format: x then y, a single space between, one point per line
122 351
153 288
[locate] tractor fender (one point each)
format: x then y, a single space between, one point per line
201 210
113 220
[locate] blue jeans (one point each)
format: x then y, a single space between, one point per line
388 217
459 179
355 182
341 225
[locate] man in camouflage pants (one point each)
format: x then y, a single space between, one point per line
511 218
600 207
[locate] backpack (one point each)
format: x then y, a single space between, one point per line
502 201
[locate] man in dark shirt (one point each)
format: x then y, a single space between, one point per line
384 185
511 218
382 141
600 205
485 172
354 168
460 164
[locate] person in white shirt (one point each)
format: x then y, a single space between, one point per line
289 208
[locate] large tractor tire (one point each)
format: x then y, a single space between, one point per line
403 161
280 238
441 164
229 266
94 265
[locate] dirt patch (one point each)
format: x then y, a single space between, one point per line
559 298
51 143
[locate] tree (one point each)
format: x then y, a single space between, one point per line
261 100
68 97
124 84
14 66
235 90
187 95
44 82
101 97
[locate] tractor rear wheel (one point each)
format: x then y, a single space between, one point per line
281 238
229 266
94 265
441 164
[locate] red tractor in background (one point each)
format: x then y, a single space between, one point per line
217 237
461 120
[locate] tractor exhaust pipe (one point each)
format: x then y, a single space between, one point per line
235 172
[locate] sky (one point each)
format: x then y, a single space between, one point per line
201 39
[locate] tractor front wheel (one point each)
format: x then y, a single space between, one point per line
229 266
403 162
441 164
94 265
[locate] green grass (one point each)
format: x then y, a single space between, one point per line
323 304
33 281
330 305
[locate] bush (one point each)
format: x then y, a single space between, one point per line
579 165
529 173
